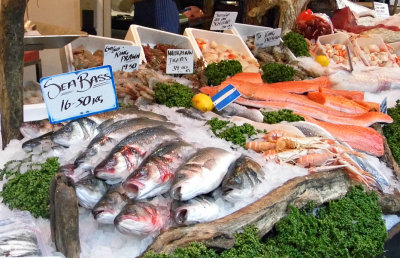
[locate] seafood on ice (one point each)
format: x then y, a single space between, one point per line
213 52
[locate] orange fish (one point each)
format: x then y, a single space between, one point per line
338 103
366 119
300 87
360 138
353 95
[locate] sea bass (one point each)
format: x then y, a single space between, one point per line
76 131
89 191
110 205
197 210
45 141
201 174
141 219
124 113
35 129
242 177
113 133
127 155
155 175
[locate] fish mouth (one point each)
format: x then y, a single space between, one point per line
96 213
176 193
181 216
131 189
226 190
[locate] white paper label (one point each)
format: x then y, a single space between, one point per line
268 38
179 61
78 94
340 4
381 9
122 58
223 20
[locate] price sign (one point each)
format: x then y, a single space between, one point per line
78 94
341 4
122 58
381 9
223 20
268 38
179 61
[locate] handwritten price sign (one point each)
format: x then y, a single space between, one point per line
179 61
78 94
223 20
122 58
381 9
268 38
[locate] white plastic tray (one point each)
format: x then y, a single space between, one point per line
143 35
35 112
365 41
91 43
220 38
336 38
395 48
245 30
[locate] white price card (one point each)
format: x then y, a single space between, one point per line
381 9
223 20
179 61
122 58
79 94
341 4
268 38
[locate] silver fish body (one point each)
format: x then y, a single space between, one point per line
197 210
129 153
76 131
238 110
312 130
244 174
155 175
35 129
201 174
110 205
45 141
124 113
89 191
111 134
141 219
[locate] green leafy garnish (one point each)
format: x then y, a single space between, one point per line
174 95
30 191
350 227
296 43
231 132
275 72
218 72
274 117
392 131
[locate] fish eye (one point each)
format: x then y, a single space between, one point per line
238 180
68 128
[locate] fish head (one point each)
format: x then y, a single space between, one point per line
185 178
108 207
142 181
31 129
109 169
243 173
70 134
67 170
138 219
198 209
89 190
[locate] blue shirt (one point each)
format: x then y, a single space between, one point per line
158 14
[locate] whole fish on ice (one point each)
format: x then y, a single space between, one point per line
112 134
155 175
76 131
202 173
129 153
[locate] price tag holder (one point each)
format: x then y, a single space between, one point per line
341 4
223 20
268 38
381 9
179 61
225 97
122 58
78 94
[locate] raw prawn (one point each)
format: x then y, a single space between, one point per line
273 135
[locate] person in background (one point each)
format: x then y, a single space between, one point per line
157 14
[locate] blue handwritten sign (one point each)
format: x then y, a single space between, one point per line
78 94
225 97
